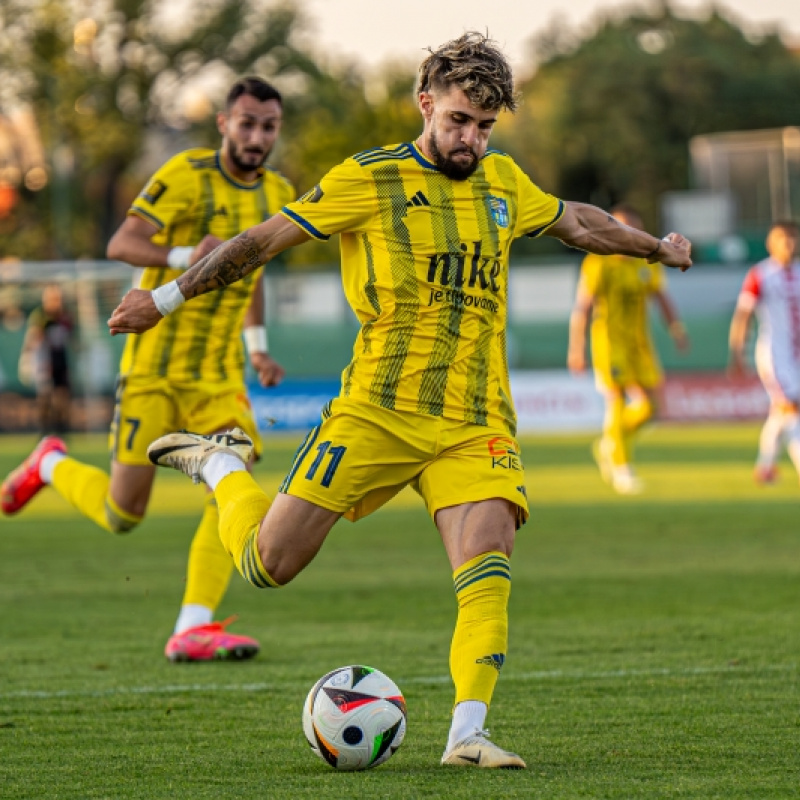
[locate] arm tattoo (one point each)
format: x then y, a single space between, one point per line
229 263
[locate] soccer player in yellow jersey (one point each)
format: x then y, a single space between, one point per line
616 290
425 230
188 373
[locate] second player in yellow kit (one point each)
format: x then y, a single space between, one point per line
621 347
188 373
617 290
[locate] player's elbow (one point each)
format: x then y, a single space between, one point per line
114 250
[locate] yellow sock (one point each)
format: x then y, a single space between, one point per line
480 640
210 566
613 429
634 416
242 506
86 488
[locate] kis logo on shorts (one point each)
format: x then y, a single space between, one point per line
504 454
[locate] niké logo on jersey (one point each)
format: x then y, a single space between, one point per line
466 269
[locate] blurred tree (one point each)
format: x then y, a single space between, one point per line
609 118
103 75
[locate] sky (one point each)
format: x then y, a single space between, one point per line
373 31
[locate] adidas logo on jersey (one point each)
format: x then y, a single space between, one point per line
418 199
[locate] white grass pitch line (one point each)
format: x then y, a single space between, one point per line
540 675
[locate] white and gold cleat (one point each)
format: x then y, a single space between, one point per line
477 751
189 452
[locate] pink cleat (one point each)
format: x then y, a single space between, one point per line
765 474
210 643
24 482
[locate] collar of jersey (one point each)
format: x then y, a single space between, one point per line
417 153
237 183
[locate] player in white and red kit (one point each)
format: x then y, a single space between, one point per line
771 289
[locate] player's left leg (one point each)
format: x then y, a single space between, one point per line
791 432
475 491
196 637
769 442
478 538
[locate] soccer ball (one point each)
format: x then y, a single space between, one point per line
354 718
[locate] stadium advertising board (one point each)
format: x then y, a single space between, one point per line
546 401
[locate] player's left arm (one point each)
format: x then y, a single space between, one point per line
669 313
254 330
589 228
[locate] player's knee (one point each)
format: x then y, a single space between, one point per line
791 426
282 571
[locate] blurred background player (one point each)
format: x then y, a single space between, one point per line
190 372
771 289
44 360
616 290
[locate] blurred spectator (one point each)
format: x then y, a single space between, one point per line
44 361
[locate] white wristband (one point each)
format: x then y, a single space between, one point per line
168 297
255 339
178 257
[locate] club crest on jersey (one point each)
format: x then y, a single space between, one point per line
499 210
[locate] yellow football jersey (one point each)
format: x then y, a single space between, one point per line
188 197
621 287
622 350
424 263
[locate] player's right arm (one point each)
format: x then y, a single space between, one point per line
341 201
133 243
228 263
579 318
740 323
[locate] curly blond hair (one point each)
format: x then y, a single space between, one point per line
474 64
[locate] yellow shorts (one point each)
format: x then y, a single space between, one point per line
617 367
147 408
361 455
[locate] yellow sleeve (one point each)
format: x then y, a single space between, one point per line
537 210
658 280
591 275
169 193
344 200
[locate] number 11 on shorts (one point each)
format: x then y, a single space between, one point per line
335 453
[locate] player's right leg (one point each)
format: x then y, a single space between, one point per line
612 452
117 503
769 442
268 549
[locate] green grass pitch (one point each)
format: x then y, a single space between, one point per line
654 641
